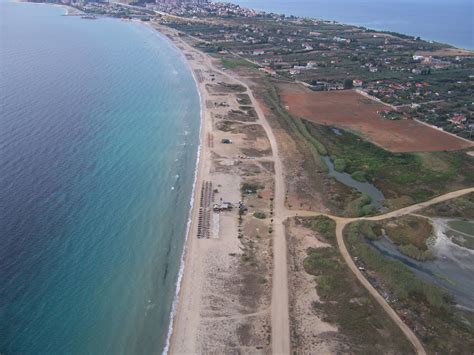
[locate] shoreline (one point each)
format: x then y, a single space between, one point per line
362 25
69 10
198 62
193 203
193 215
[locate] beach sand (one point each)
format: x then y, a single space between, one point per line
225 294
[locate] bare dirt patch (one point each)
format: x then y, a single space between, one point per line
352 111
446 52
309 333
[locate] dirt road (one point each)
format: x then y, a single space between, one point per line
280 323
279 313
280 305
342 222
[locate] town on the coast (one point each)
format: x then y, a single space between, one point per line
334 201
418 80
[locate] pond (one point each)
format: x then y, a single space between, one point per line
364 187
453 268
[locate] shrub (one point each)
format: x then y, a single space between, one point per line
359 176
339 165
250 187
260 215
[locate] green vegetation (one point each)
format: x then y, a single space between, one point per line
463 226
345 303
409 230
409 233
260 215
348 83
418 175
325 226
429 308
415 253
235 63
339 165
250 188
391 115
295 125
466 236
360 207
359 176
461 240
459 207
403 283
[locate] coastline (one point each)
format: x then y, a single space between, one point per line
189 197
386 25
184 318
69 10
193 206
193 216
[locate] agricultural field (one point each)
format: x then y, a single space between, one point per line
354 112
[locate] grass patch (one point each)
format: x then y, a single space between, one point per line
325 226
248 188
237 62
415 253
339 165
359 176
409 230
260 215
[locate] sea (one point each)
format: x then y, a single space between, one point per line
445 21
99 138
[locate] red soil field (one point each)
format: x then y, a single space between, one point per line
352 111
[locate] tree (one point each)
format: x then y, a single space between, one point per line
348 84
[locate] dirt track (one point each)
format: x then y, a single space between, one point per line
280 314
342 222
279 304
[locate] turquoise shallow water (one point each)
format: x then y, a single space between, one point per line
99 134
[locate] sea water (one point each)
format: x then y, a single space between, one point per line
99 126
446 21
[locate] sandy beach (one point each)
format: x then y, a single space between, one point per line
265 238
223 304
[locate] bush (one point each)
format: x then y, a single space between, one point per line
359 176
339 165
348 83
323 225
415 253
250 187
260 215
368 210
356 207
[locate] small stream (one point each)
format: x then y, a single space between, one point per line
453 268
364 187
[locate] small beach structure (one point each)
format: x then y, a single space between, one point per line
223 206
